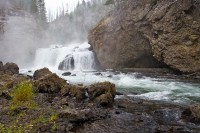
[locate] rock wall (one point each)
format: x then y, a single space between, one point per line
146 32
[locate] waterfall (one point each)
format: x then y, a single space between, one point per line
75 57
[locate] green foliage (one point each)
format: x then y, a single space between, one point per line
15 128
34 7
54 127
53 117
23 92
23 95
41 119
85 16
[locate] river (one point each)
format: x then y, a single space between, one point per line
132 84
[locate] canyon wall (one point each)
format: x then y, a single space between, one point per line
149 33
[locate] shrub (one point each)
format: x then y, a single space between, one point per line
23 95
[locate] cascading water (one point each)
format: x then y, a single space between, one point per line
75 57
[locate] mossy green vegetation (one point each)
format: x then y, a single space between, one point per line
53 117
15 128
23 96
28 126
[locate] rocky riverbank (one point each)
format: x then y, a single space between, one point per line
56 106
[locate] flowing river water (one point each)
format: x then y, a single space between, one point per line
77 59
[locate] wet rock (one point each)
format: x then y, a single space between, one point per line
41 72
97 74
167 115
97 89
11 68
119 93
49 83
67 63
66 74
144 37
109 76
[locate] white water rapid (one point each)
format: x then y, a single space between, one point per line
77 59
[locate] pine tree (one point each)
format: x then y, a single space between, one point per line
41 11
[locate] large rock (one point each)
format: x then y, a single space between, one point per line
103 93
192 113
143 33
105 100
11 68
50 83
78 92
41 72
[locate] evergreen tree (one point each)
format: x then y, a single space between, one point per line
41 14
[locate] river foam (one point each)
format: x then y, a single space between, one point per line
131 84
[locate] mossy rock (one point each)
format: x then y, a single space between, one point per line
49 84
105 100
11 68
97 89
41 72
78 92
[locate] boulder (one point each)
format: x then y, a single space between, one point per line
73 114
50 83
195 111
41 72
67 63
11 68
97 89
105 100
66 74
79 92
151 33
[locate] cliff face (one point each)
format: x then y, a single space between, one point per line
146 32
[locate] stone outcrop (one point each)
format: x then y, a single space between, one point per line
11 68
50 84
41 72
141 33
103 93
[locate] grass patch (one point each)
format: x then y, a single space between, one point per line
53 117
15 128
23 96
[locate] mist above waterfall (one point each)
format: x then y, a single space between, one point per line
26 27
22 32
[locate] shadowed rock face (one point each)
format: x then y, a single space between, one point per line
144 33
